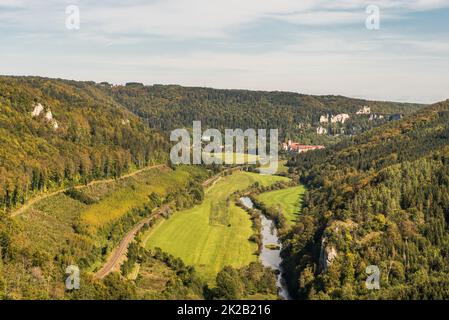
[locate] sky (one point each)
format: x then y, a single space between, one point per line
307 46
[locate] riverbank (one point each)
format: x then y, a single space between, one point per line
270 254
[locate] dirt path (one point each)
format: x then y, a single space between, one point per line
39 198
119 254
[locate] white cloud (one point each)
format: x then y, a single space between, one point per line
355 62
199 18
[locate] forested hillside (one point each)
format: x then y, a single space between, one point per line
55 133
297 116
381 199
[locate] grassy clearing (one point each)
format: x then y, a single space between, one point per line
48 228
190 236
289 200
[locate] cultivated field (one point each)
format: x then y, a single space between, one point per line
289 200
206 244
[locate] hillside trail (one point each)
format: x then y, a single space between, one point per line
39 198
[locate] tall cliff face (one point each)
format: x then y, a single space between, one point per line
328 254
335 233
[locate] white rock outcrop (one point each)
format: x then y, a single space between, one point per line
320 130
48 116
328 254
324 119
364 110
342 118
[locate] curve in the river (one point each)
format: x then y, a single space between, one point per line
269 257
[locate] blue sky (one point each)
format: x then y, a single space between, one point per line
307 46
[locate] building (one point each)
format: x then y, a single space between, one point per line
299 148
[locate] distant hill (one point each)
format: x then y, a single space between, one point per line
381 198
58 132
297 116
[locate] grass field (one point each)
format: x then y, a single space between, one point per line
288 199
190 236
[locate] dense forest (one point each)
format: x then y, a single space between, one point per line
297 116
56 133
382 199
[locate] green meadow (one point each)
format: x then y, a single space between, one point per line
202 242
289 200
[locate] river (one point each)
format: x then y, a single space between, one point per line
270 257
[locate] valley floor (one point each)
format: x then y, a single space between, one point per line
206 244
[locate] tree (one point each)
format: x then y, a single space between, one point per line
229 284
